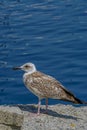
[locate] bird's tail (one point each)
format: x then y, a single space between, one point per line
78 101
72 98
75 100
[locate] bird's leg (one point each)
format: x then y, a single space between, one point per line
46 104
39 103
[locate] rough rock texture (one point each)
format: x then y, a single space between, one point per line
59 117
11 118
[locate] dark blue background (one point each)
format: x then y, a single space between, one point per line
50 33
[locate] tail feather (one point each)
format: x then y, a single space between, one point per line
78 101
75 100
71 98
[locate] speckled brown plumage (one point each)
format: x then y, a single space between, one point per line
45 86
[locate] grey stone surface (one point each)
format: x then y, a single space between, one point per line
59 117
11 118
4 127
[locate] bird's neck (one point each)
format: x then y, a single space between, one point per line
31 71
28 73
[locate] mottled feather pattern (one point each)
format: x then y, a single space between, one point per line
45 86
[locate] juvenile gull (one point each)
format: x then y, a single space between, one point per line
45 86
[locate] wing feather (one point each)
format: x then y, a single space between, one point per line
49 86
45 86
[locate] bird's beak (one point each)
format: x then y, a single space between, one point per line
16 68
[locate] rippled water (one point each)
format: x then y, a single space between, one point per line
50 33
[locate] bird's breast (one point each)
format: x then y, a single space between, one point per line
33 87
27 79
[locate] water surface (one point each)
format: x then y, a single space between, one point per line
50 33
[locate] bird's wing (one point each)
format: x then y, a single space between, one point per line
49 86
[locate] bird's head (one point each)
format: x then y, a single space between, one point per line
28 67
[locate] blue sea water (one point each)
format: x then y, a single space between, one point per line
50 33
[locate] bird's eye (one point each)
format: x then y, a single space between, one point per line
26 66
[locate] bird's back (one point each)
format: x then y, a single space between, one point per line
45 86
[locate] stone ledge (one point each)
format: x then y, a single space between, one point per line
11 118
59 117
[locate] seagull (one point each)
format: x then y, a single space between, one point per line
45 86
